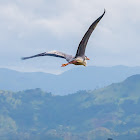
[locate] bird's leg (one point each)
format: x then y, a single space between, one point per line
72 62
63 65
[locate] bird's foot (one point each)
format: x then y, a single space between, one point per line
63 65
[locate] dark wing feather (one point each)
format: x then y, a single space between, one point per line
52 53
37 55
84 41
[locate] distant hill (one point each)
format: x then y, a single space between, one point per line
88 78
109 112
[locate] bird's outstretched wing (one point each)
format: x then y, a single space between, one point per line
84 41
52 53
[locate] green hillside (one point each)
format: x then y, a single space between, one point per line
110 112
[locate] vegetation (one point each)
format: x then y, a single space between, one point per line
109 113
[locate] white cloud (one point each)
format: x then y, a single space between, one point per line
31 26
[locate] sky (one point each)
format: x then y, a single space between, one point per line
30 27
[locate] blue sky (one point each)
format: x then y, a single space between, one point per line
33 26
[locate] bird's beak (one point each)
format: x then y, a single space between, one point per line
87 58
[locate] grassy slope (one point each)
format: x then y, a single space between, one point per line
112 111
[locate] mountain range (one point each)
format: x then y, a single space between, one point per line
110 112
71 81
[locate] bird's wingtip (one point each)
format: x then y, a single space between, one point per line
104 10
23 58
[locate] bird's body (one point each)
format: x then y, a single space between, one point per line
79 58
79 61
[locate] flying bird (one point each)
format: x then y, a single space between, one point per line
80 57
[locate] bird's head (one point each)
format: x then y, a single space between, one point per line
86 58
